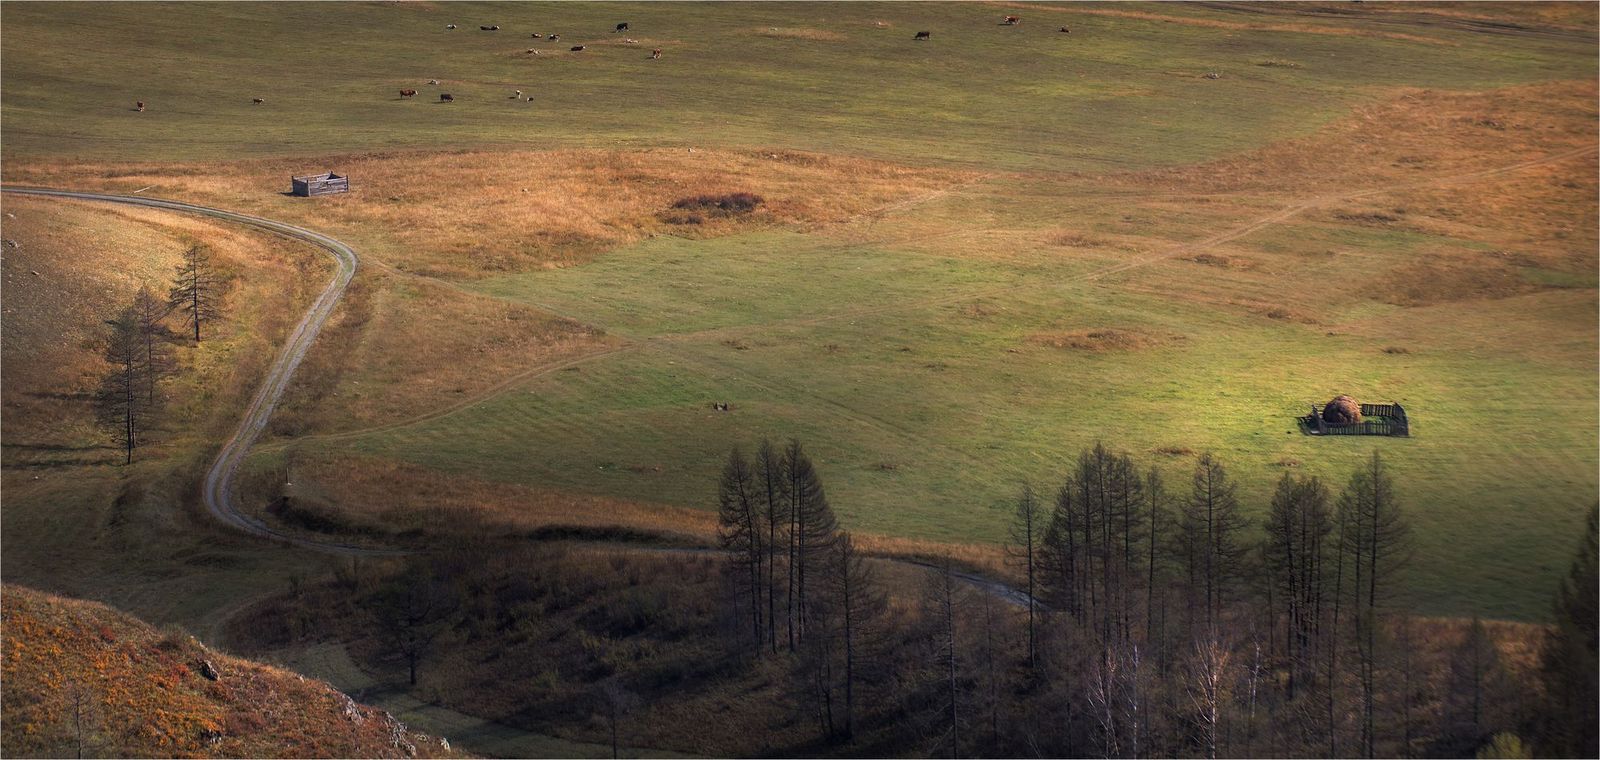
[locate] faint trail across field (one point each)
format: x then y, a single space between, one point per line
219 490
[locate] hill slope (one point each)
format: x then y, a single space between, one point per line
84 679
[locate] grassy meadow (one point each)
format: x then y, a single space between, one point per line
978 253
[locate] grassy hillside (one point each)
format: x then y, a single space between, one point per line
977 253
85 680
843 77
76 520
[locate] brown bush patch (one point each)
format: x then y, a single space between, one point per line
1442 280
1220 261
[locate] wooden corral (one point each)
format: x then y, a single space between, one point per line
1378 419
326 183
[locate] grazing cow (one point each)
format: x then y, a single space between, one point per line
922 35
578 48
138 105
538 36
257 101
1065 30
517 96
433 81
622 27
655 54
449 26
494 28
445 97
1012 21
408 93
555 38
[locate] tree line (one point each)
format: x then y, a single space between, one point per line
1147 620
138 347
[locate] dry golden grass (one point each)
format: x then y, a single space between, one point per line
1412 136
403 497
76 265
466 214
400 346
138 692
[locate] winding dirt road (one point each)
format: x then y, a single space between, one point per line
219 492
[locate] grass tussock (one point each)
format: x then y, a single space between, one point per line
85 680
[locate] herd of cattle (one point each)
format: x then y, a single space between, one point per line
655 54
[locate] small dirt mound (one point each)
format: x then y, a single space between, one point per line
1102 339
1342 410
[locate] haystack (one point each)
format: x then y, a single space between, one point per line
1342 410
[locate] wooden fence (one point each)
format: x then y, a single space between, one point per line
320 184
1390 420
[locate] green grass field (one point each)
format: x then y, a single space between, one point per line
935 356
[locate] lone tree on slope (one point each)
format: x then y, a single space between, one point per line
196 290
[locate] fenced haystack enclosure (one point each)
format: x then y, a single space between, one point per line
326 183
1374 419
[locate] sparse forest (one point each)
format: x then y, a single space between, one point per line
1138 622
139 349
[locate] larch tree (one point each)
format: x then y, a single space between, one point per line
1027 530
812 526
1297 526
943 604
1568 658
739 532
858 605
156 338
773 486
1377 540
196 290
123 405
1213 527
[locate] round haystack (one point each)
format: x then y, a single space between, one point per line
1343 410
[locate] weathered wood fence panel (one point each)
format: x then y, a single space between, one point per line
320 184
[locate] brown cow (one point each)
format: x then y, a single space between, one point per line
257 101
138 105
408 93
445 97
655 54
1012 20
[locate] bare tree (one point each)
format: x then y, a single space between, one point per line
412 609
775 509
861 605
740 533
1297 526
122 404
616 701
196 290
1209 673
1027 529
1377 541
157 338
943 600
